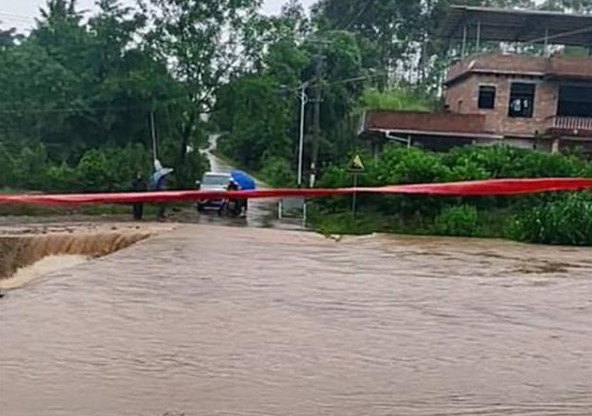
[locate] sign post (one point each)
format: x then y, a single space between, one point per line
355 167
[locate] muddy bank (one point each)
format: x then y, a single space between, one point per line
21 251
31 250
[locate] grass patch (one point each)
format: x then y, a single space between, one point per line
454 222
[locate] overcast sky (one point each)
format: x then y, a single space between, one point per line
20 13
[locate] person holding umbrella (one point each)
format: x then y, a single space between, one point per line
139 185
159 184
245 183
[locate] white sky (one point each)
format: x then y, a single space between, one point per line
21 13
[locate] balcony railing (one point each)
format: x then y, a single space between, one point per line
574 125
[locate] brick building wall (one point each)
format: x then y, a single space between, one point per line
499 64
463 97
408 120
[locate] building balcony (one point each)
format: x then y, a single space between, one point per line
413 122
570 68
571 126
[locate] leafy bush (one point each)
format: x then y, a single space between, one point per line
7 163
29 167
397 100
567 221
108 169
484 216
94 173
459 221
278 173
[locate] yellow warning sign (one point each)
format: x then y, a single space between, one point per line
356 164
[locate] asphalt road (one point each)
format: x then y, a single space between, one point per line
261 213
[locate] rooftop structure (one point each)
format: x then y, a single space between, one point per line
535 102
521 26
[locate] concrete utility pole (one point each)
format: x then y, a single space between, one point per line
303 102
317 115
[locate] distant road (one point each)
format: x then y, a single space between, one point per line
261 213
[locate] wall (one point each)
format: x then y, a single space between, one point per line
499 64
438 122
463 97
557 66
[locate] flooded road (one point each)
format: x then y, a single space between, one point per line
261 213
238 321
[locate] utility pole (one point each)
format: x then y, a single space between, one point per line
317 115
303 101
153 134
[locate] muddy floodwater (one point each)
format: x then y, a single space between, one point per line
207 320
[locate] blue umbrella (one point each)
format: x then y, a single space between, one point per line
244 180
159 177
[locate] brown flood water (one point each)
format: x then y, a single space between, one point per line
236 321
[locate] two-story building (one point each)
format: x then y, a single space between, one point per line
537 102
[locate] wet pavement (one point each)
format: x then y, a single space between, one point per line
261 213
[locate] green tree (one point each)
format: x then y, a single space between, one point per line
569 6
200 40
257 118
75 84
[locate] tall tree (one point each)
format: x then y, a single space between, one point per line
570 6
200 40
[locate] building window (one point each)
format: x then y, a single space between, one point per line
522 100
575 100
487 98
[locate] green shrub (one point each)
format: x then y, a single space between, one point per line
7 163
61 178
401 99
29 167
459 221
94 173
567 221
278 173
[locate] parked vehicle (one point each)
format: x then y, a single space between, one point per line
213 181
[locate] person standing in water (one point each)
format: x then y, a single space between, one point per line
159 184
139 185
160 187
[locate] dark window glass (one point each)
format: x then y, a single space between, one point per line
487 98
575 100
522 100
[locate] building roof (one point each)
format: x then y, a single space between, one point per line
554 67
523 26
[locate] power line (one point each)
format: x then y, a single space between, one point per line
163 103
363 10
560 35
88 108
15 18
20 16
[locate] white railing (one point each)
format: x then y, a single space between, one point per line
572 123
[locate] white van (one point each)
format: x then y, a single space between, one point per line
213 181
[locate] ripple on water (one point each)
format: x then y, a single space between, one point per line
233 321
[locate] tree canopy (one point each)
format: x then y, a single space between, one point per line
83 92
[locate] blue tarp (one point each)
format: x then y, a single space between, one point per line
244 180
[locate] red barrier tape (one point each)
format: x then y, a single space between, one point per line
501 187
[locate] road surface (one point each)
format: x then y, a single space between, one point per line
262 213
